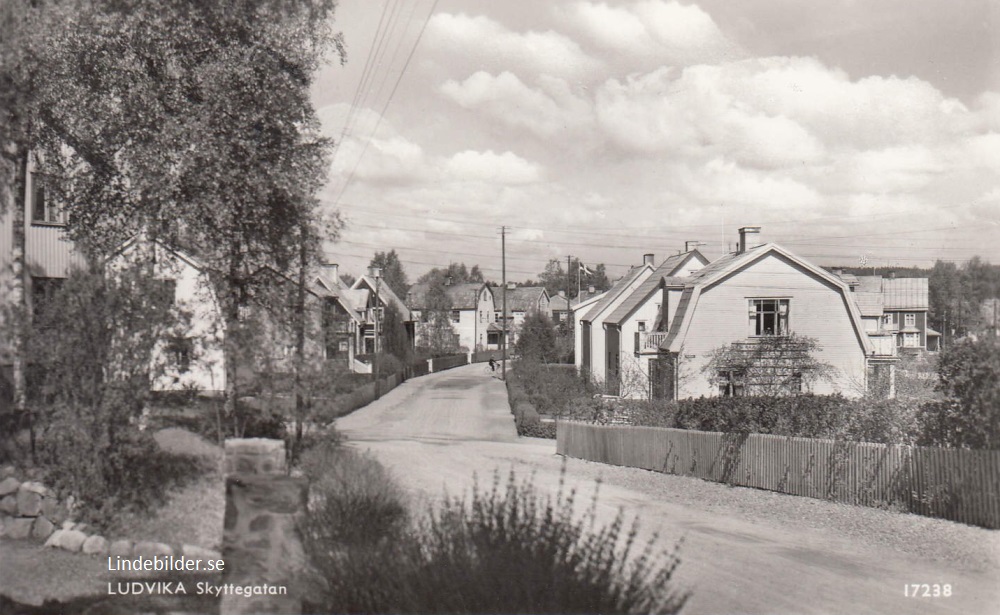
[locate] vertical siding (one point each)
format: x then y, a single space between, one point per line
816 310
598 355
49 253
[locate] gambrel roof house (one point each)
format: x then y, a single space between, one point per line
759 291
895 308
523 300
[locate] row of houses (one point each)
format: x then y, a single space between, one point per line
655 330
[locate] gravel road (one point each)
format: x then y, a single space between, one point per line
744 550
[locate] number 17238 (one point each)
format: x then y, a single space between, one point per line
927 590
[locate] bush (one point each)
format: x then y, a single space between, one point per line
554 390
526 417
131 475
508 550
969 416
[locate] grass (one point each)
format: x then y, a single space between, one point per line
507 549
193 513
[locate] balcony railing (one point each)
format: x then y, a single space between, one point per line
883 345
651 340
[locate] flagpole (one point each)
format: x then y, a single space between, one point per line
578 287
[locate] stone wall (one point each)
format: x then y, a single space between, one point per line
261 545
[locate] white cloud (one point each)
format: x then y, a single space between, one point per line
482 41
546 111
651 33
505 168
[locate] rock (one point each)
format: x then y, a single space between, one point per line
54 510
8 470
195 552
4 520
8 504
9 485
29 503
121 548
35 487
42 528
19 528
70 540
81 527
54 538
151 549
68 524
95 545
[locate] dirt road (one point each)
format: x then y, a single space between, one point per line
744 551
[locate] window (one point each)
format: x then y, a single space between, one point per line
456 316
43 211
166 292
768 317
910 320
179 350
42 292
886 319
911 340
642 325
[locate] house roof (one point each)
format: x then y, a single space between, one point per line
464 296
587 302
386 295
650 285
869 303
559 303
521 298
905 293
615 291
720 269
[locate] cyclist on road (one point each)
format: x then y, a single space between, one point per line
493 364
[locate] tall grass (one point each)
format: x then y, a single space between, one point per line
507 549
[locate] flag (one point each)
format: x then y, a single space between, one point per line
584 269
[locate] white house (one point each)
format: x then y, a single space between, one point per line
641 320
471 310
593 356
758 291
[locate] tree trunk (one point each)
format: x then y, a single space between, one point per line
300 339
19 296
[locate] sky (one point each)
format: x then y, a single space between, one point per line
851 131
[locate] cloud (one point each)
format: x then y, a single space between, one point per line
546 111
652 33
505 168
482 41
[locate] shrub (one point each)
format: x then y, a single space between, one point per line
507 550
969 417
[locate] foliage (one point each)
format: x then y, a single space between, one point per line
555 390
438 335
94 349
769 365
184 121
536 341
395 340
393 274
969 416
507 550
555 278
458 272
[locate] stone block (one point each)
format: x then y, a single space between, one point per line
95 545
151 549
8 504
54 510
42 528
68 524
255 456
19 528
71 540
82 527
54 538
8 470
4 520
9 485
121 548
29 503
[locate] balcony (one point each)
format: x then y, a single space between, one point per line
883 345
649 341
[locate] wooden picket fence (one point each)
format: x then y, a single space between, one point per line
957 484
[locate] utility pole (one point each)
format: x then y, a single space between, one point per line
503 293
566 286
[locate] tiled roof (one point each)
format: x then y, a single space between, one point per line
520 299
649 286
559 303
463 296
386 295
613 293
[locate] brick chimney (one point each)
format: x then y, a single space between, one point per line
647 259
749 238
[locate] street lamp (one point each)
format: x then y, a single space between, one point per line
376 272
